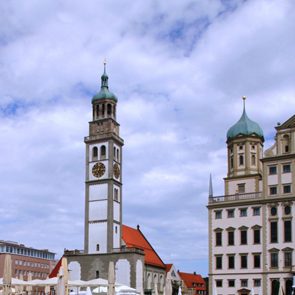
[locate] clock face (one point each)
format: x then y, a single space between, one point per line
98 170
116 169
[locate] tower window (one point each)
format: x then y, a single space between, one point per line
240 147
231 162
241 188
241 160
116 194
94 153
116 229
109 109
97 247
118 155
114 153
97 274
103 109
253 160
102 152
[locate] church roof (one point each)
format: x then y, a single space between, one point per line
244 127
193 280
290 123
134 238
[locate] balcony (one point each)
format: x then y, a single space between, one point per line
235 197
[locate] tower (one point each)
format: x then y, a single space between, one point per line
244 151
103 185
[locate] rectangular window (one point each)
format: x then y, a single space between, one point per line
286 168
274 260
274 232
272 170
231 283
241 188
287 231
243 237
218 262
256 260
231 261
287 189
230 213
218 236
256 211
244 261
97 247
218 214
256 237
273 190
257 282
97 274
244 283
218 283
231 238
288 259
243 212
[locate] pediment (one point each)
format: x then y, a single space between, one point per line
290 123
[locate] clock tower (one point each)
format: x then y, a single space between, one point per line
103 185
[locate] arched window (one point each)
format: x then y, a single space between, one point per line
102 111
109 109
231 162
114 153
102 152
288 287
241 160
97 111
286 143
253 160
118 155
94 153
275 287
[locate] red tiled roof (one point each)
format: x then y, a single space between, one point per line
55 271
168 267
193 280
134 238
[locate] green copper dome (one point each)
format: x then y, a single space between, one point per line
245 127
104 92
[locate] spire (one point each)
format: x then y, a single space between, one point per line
210 186
244 104
104 77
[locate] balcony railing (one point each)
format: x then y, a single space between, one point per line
235 197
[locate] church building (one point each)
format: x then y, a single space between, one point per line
251 226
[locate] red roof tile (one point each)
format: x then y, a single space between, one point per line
194 281
134 238
168 267
55 271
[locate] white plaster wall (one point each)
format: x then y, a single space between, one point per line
116 236
286 178
272 179
139 276
91 177
123 272
116 207
98 191
98 145
249 186
98 210
98 235
74 270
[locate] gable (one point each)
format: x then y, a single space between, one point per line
290 123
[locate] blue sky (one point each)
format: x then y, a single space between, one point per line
179 70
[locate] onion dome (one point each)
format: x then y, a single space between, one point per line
104 92
245 127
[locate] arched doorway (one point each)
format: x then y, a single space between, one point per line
275 287
288 288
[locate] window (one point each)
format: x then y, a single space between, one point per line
218 262
287 259
109 109
253 160
116 194
286 188
244 283
287 210
97 274
256 258
231 162
218 283
244 237
257 282
272 190
286 168
244 261
272 170
273 232
243 212
256 236
273 211
231 238
287 231
102 152
274 259
240 147
256 211
231 261
218 236
231 213
94 153
241 188
218 214
241 160
97 247
231 283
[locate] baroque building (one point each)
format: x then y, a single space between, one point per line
251 227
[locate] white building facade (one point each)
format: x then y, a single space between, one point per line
251 227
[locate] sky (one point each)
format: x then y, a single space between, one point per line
179 70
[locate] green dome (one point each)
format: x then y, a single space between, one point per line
104 92
245 127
